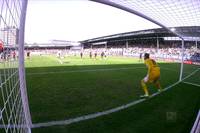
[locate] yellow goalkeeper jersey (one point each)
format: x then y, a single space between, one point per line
153 68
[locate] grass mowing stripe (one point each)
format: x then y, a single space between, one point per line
86 117
149 116
77 94
49 104
92 70
98 114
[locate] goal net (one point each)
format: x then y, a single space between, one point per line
14 111
191 62
175 16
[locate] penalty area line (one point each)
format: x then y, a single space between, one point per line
98 114
91 70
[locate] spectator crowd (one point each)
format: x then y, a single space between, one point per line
173 53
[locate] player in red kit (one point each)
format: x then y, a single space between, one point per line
1 46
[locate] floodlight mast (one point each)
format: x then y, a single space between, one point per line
113 4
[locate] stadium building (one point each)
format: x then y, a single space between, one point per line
122 44
9 35
156 36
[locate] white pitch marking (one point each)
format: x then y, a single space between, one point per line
91 70
98 114
192 84
191 74
94 70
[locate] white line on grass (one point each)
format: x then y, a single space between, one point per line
91 70
94 70
192 84
191 74
98 114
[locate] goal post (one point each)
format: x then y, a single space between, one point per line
14 108
21 67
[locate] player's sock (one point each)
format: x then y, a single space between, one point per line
158 86
146 91
144 88
144 96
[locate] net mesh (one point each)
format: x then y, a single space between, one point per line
12 115
171 14
191 67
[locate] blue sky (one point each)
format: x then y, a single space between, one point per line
76 20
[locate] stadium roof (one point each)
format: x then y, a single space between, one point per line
165 13
193 31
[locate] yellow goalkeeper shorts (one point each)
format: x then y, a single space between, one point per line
153 77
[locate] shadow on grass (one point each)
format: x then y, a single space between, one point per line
171 112
63 95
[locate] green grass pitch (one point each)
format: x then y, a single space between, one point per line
59 89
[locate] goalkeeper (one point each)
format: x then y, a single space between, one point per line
152 76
